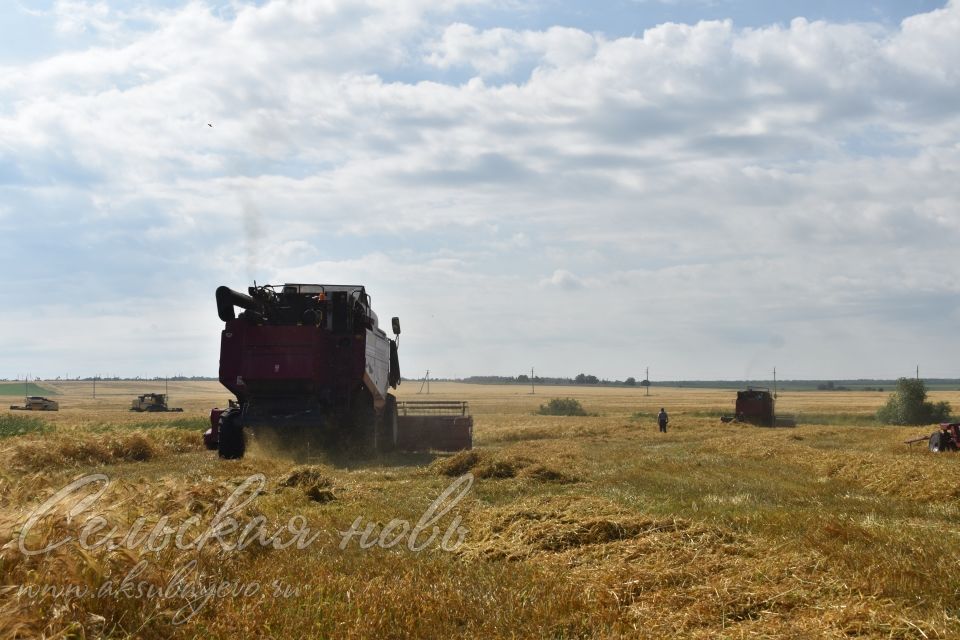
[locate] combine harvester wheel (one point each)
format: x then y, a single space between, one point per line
231 444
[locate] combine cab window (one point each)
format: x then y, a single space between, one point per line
341 312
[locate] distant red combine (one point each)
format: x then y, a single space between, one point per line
756 406
311 367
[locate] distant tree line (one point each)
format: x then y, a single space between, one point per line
830 386
579 379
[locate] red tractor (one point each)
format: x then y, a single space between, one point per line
310 366
946 439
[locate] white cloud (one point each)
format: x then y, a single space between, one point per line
563 279
927 44
499 51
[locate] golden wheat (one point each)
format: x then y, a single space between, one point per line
576 527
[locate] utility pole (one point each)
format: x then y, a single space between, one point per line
774 383
426 381
918 372
647 380
94 387
533 389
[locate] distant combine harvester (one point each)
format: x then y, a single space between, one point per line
152 402
37 403
756 406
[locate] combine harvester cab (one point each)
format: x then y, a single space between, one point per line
311 367
37 403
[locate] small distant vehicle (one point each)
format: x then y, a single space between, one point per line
756 406
946 439
37 403
152 402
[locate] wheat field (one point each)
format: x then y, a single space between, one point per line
555 527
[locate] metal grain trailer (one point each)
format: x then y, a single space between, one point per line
441 425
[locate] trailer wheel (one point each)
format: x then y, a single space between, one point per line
231 445
937 442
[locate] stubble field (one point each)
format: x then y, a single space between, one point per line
565 527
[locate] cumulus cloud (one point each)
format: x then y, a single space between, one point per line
563 279
499 51
704 182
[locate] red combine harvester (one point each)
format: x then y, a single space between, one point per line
310 367
756 406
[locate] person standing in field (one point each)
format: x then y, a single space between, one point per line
662 420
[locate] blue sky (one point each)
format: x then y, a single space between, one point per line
708 187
